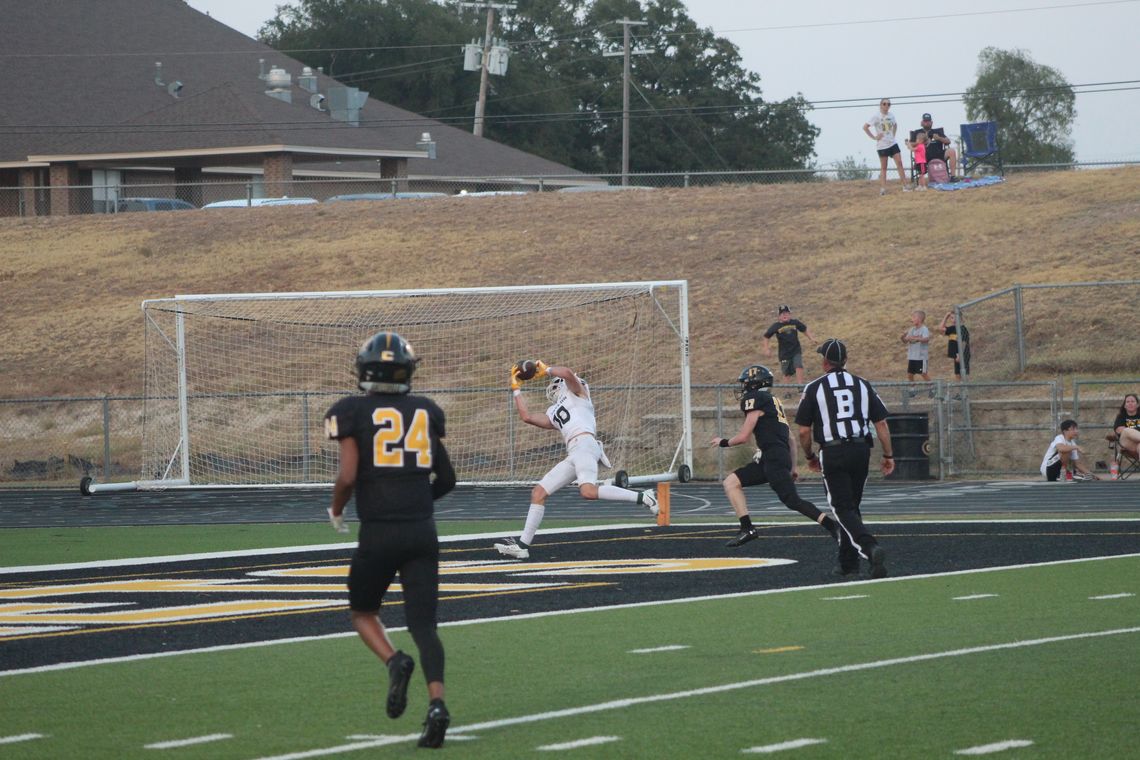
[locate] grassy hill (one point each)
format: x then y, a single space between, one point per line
851 263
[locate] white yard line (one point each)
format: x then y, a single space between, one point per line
989 749
20 738
558 613
843 598
1112 596
127 562
794 744
620 704
593 741
654 650
972 597
174 744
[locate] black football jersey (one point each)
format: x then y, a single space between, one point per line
400 441
772 427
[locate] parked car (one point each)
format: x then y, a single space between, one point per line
382 196
151 204
243 203
597 188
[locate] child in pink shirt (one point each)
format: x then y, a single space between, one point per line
920 140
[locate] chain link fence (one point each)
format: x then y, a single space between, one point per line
1029 329
144 193
976 429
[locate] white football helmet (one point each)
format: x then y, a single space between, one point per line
554 389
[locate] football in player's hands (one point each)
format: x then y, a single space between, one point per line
526 369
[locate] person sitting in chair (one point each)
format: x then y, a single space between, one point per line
1127 425
937 146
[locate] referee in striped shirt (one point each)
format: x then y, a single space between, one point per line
836 412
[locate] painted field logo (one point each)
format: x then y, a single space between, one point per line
78 606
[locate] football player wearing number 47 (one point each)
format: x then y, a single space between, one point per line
571 412
391 443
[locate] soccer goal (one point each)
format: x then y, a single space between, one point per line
237 385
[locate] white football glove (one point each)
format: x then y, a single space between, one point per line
337 521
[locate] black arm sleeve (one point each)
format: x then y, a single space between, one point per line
444 473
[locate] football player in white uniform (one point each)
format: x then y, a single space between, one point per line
571 412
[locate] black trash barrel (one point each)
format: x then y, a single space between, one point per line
910 438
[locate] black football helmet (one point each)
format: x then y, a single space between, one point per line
753 378
385 364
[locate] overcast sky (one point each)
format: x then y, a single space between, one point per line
922 55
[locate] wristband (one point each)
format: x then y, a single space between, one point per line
888 456
516 392
724 443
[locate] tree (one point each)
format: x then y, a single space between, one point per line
850 169
1033 105
693 106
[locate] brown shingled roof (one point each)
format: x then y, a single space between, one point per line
79 79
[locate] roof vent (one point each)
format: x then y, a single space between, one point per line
158 74
280 83
308 80
345 103
261 68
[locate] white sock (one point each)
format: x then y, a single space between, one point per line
613 493
533 520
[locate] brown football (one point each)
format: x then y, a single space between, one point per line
527 369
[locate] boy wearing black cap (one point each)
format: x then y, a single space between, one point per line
787 331
937 145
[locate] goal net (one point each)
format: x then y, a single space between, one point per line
237 385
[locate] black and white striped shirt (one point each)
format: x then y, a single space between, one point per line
840 406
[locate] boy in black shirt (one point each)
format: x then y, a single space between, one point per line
390 444
787 331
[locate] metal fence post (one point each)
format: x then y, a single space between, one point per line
720 432
106 439
1020 328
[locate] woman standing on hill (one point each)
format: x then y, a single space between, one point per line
885 128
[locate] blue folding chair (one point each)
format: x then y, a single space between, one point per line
980 146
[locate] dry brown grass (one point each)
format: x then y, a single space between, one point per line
852 264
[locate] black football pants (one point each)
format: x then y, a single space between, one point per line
844 475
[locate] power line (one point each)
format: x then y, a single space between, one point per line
685 111
578 34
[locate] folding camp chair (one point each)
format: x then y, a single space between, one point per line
980 146
1126 461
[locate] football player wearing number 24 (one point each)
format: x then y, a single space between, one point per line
391 444
571 412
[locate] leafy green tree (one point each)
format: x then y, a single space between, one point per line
1033 104
693 106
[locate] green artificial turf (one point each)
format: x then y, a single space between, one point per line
1072 698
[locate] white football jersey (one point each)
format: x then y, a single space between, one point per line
573 415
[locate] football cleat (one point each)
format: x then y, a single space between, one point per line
743 537
400 667
435 725
1078 475
508 547
649 500
878 562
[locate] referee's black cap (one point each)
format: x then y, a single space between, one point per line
834 350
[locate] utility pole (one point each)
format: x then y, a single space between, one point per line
626 52
481 104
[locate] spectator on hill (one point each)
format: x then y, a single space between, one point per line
886 128
787 331
938 145
917 340
919 149
958 345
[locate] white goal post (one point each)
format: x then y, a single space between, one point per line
237 385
